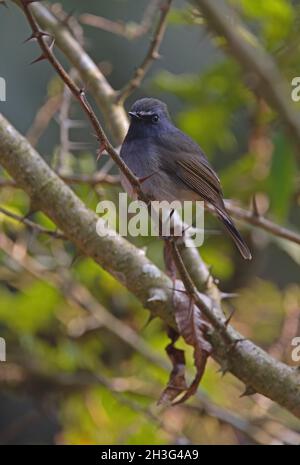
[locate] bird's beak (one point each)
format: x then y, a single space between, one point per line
134 114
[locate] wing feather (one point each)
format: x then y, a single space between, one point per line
182 157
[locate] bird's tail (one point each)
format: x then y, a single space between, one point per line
239 241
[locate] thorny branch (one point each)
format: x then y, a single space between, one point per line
151 55
248 362
248 216
254 218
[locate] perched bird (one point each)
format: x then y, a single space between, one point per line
170 165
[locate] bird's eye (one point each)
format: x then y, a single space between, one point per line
155 118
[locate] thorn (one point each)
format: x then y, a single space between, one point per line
149 320
82 93
223 368
95 136
43 56
75 258
249 391
30 212
234 343
255 211
31 37
83 96
144 178
209 277
183 291
228 295
155 56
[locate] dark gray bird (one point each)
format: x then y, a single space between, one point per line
170 165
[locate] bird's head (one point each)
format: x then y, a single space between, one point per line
148 117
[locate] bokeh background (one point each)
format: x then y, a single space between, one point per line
70 378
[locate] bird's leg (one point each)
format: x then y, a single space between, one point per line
171 236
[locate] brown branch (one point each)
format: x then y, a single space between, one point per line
129 31
151 55
92 180
239 213
79 94
259 221
259 66
42 119
114 115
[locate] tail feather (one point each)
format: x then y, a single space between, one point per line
239 241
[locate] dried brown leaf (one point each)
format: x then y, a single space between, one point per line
177 383
192 327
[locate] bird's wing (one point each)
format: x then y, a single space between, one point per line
186 160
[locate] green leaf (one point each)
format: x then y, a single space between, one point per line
30 310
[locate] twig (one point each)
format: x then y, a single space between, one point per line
255 219
42 119
69 21
194 295
64 126
92 180
128 31
151 55
34 226
114 115
258 64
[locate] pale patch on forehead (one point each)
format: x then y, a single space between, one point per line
145 113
